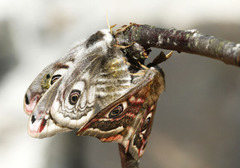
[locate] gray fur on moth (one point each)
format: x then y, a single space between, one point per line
64 95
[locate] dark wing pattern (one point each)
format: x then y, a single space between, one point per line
129 120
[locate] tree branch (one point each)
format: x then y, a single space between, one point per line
127 160
189 41
136 39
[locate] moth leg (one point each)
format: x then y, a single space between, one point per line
122 46
137 73
141 73
143 66
123 28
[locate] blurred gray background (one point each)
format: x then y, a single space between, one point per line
198 117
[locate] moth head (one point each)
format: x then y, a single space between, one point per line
42 83
102 38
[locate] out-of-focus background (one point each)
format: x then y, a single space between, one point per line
198 117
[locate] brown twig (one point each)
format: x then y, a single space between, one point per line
135 36
189 41
127 160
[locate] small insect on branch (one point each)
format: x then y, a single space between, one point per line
189 41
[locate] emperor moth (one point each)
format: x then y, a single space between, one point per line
64 95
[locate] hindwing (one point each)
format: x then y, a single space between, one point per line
124 120
137 145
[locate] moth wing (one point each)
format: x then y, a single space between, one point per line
137 144
48 76
100 77
40 123
74 102
44 80
45 112
119 121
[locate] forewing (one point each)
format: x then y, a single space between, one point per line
41 124
74 102
47 77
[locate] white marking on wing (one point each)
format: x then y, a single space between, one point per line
97 130
80 122
60 71
72 121
55 106
83 99
79 85
91 94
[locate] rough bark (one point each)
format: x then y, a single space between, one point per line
189 41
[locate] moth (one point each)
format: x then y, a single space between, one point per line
128 120
65 94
